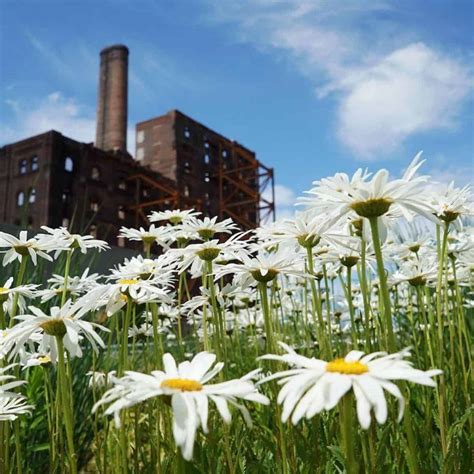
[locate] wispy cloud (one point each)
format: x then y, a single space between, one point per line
285 200
68 63
54 112
387 88
151 71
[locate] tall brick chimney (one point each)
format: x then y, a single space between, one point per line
111 133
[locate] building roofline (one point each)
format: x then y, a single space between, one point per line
48 132
178 112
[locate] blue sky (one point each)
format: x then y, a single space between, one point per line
314 87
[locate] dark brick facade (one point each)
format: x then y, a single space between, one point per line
50 179
73 184
207 167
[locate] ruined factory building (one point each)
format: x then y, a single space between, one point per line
50 179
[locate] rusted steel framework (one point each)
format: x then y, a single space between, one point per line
246 187
155 195
210 172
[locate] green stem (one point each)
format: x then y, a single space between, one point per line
267 318
19 281
346 432
66 405
66 276
316 303
351 307
439 314
383 287
124 352
365 293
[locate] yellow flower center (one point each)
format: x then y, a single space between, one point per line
3 290
44 359
126 281
349 368
185 385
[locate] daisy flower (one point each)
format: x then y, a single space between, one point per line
8 382
194 256
34 360
175 216
75 241
417 272
24 247
99 379
450 203
7 294
159 235
115 296
159 270
306 230
76 285
65 322
374 197
11 403
187 385
206 228
264 267
313 385
12 407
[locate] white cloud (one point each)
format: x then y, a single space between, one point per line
413 89
387 88
54 112
461 175
285 200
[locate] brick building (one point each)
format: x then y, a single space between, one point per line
224 177
50 179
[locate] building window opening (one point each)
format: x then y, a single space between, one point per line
32 196
187 167
206 145
187 133
121 213
120 242
23 167
34 163
186 191
94 206
207 178
224 153
93 231
95 173
20 199
65 222
69 164
122 185
207 159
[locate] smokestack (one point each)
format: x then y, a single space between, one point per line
111 131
